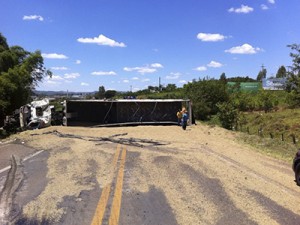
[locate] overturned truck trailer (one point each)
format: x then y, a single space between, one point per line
123 112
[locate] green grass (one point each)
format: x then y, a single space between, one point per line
284 122
273 125
271 147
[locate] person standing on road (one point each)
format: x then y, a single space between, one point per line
184 119
179 117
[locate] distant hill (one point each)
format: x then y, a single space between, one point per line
61 93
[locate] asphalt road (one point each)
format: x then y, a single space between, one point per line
144 181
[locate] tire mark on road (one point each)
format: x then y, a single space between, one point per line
24 160
13 180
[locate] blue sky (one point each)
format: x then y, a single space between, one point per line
128 45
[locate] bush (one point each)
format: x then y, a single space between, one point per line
293 99
228 115
244 101
205 95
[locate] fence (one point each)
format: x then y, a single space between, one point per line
260 132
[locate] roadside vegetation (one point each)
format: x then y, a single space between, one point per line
272 147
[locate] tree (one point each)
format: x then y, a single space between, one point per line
228 114
244 101
205 94
170 87
20 72
153 88
281 73
295 68
101 92
110 93
223 78
266 100
3 43
240 79
293 83
262 74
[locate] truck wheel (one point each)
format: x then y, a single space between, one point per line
297 174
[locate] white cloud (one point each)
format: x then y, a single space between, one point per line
56 77
244 9
264 7
144 69
125 81
84 84
173 76
210 37
78 61
214 64
243 49
182 81
134 78
141 70
52 82
156 65
130 69
33 17
201 68
104 73
71 75
146 80
59 68
53 56
101 40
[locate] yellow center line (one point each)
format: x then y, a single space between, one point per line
99 214
116 205
115 160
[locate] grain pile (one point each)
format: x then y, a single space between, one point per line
204 174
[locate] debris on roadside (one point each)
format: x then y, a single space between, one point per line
137 142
